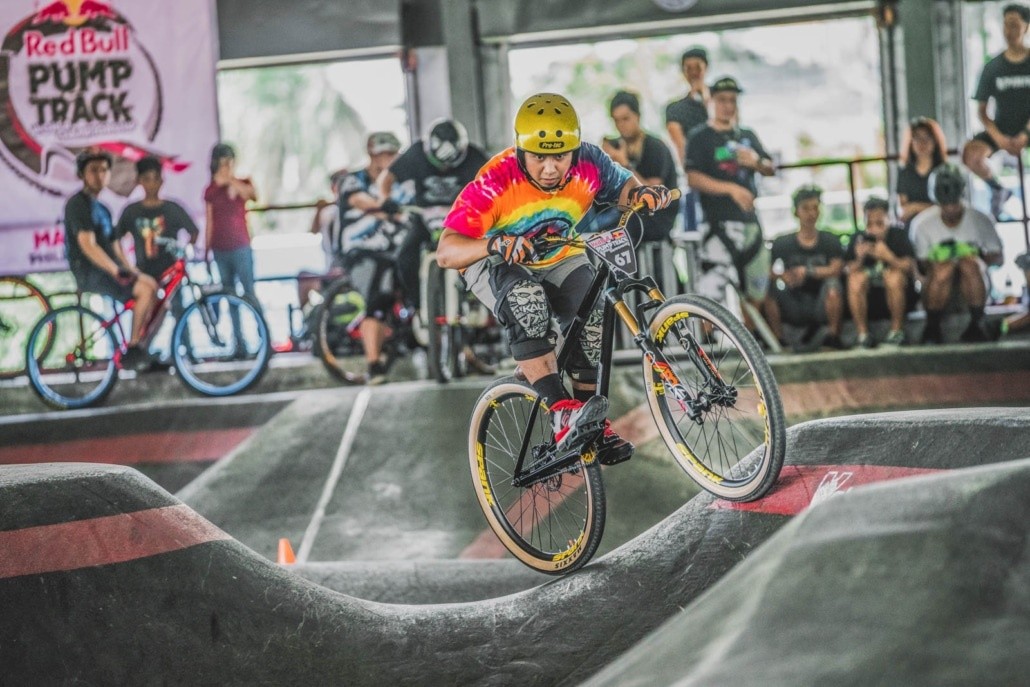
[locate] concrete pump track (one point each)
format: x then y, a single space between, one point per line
106 579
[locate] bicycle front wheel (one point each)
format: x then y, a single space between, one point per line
736 403
21 306
338 315
553 526
220 345
71 358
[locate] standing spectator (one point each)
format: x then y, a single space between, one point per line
434 169
326 222
1006 79
954 243
227 237
155 218
722 160
646 156
690 111
923 150
369 245
880 263
808 292
95 257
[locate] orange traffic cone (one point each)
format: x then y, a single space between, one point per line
286 556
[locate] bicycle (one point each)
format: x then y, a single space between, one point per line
22 304
711 394
220 345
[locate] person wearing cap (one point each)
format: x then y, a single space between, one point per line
434 169
807 293
722 161
95 256
880 263
368 244
690 111
1006 80
326 221
646 156
544 184
227 235
954 245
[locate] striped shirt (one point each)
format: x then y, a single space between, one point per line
501 199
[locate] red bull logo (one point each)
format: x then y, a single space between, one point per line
73 12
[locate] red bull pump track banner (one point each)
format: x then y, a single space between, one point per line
134 77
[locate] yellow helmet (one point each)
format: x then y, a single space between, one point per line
546 124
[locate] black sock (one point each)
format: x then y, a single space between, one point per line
975 316
550 389
583 395
993 183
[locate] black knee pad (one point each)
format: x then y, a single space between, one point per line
526 316
586 355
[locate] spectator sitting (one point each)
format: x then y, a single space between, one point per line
1006 79
954 243
808 292
923 150
880 262
95 257
155 218
646 156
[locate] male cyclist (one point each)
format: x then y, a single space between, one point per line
94 255
368 244
435 168
549 178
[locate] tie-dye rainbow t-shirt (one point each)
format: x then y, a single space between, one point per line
501 199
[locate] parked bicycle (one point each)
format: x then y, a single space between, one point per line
711 393
22 304
220 345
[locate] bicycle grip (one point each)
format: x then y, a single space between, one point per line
674 194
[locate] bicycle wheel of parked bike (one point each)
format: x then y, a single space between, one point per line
21 306
334 336
734 448
70 358
553 526
221 345
446 338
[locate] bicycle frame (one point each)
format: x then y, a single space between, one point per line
614 288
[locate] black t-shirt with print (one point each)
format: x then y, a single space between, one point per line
793 254
434 187
1009 84
82 213
656 161
145 224
713 153
913 185
897 240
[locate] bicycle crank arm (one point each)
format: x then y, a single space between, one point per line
551 465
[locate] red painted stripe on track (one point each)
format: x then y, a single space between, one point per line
801 486
154 447
102 541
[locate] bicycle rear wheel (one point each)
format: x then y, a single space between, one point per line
220 345
699 337
554 526
340 311
21 306
71 358
446 338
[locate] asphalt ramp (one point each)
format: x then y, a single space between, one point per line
107 579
